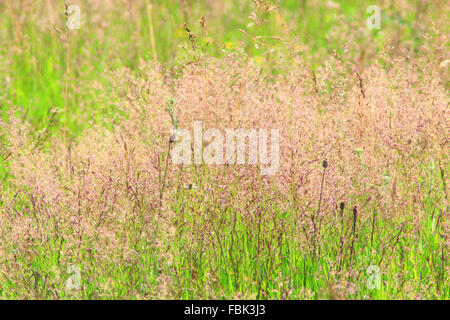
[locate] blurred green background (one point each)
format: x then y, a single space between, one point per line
35 48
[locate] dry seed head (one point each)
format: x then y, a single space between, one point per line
355 211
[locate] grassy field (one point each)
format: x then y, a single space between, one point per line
93 207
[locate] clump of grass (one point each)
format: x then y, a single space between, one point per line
119 202
136 226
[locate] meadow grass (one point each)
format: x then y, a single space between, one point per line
86 178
